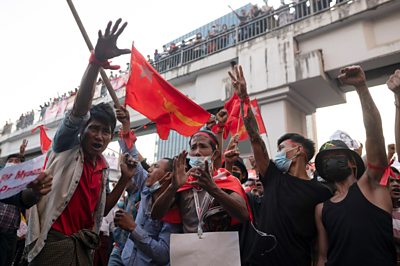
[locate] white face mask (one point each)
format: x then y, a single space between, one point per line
199 161
9 164
153 188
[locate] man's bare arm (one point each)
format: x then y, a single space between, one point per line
375 142
393 84
322 239
260 150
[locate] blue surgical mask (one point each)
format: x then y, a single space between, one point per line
199 161
282 162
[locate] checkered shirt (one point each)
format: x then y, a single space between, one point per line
9 217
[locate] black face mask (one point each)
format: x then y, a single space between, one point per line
336 168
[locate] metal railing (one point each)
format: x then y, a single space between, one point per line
281 17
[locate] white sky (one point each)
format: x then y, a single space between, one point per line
43 53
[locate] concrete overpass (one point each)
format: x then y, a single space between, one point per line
290 66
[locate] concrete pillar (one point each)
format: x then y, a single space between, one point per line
284 111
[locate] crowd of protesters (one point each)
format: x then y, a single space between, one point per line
343 212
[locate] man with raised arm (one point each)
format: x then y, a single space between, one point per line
290 197
64 225
355 225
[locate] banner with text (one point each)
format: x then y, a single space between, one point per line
14 179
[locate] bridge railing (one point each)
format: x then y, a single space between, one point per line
279 18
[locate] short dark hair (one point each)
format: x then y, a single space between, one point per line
213 138
170 165
16 155
308 144
103 113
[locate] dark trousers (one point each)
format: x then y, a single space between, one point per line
102 254
8 244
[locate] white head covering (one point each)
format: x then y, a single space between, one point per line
343 136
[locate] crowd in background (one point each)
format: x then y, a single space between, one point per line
252 22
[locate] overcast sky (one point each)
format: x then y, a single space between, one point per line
43 53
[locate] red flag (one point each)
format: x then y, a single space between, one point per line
151 95
45 141
257 114
235 121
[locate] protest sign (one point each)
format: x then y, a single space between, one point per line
213 248
14 179
112 161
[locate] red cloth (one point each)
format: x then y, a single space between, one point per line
386 174
233 108
45 141
224 180
151 95
173 216
79 212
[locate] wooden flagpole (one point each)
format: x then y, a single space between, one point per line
91 48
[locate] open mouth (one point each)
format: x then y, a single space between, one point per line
97 146
397 189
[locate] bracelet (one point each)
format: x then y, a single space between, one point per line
374 167
104 64
396 104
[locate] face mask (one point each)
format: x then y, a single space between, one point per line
154 187
9 164
282 162
199 161
337 168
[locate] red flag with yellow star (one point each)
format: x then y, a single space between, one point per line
151 95
235 120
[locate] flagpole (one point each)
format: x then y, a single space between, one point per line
90 46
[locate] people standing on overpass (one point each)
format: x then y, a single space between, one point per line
355 225
290 196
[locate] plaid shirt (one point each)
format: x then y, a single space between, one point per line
10 217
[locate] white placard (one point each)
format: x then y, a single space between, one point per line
213 249
14 179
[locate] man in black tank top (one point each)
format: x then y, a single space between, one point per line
355 225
